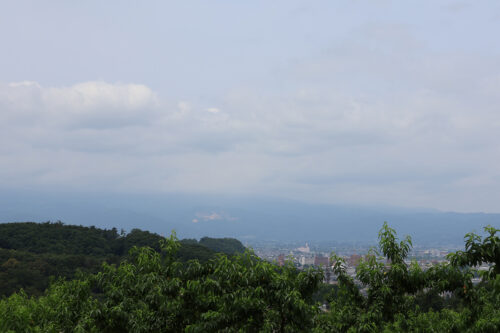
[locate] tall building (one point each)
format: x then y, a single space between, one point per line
304 249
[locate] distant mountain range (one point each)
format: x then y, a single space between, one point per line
245 218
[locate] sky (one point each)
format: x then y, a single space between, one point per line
343 102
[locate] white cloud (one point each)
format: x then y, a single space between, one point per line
213 110
85 105
88 96
213 216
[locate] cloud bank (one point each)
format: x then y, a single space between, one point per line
419 148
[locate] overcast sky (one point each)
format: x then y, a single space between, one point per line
360 102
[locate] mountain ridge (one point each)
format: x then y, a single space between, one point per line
244 217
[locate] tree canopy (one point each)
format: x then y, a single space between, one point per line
154 291
32 253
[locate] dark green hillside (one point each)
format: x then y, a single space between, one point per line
31 253
32 271
190 251
58 238
223 245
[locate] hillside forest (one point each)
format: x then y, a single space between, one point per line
33 253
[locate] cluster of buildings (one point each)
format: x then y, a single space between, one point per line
304 256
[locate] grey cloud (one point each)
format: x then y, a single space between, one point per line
85 105
308 143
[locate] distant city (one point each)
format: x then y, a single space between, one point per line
305 255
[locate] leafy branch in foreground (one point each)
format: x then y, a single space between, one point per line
479 251
387 290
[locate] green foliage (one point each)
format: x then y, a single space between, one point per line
223 245
32 253
57 238
325 293
32 272
478 251
154 291
391 294
189 251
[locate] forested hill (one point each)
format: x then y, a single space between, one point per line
30 253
